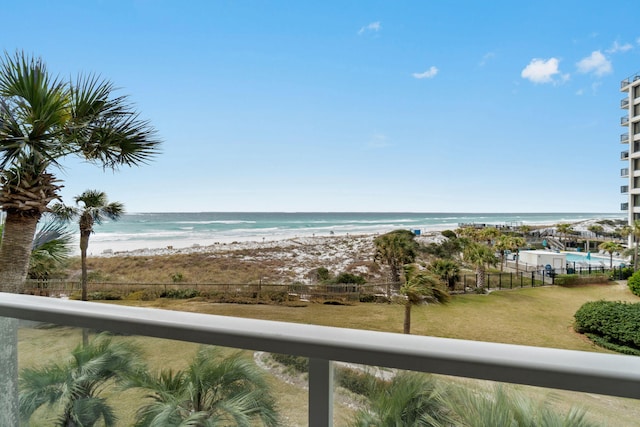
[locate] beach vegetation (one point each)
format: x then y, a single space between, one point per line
611 248
50 251
92 209
634 283
396 249
73 389
447 270
480 256
420 287
350 278
409 399
215 389
565 230
449 234
43 120
613 325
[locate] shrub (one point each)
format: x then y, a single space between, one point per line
180 293
634 283
615 325
449 234
358 382
103 296
577 279
621 273
299 363
350 278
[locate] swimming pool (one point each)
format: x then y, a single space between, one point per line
599 260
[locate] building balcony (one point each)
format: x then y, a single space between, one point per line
624 103
624 121
624 189
624 206
624 155
600 373
624 138
624 172
626 82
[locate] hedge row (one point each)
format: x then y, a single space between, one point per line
578 279
356 381
611 324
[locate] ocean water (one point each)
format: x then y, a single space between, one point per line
180 230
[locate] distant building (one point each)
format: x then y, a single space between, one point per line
631 155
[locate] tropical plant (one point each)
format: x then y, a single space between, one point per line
214 390
610 248
501 408
395 249
596 229
44 119
479 256
489 234
50 249
564 229
514 244
420 286
410 399
95 209
73 389
447 270
635 231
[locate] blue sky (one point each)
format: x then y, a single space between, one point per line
457 106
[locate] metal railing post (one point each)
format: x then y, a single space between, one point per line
320 392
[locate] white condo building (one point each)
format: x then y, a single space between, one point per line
631 137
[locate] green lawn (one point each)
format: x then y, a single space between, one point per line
539 317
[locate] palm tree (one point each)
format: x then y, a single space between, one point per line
447 270
479 256
95 209
419 287
50 249
44 119
213 390
610 247
395 249
73 389
410 399
474 408
502 245
565 230
515 243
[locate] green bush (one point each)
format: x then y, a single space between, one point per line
358 382
299 363
621 273
349 278
180 293
634 283
615 325
579 279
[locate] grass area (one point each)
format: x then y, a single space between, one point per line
540 317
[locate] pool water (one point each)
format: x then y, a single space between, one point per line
595 259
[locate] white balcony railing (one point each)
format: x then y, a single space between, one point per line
600 373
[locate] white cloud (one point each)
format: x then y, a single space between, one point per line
486 58
378 140
596 63
374 26
617 47
542 71
430 73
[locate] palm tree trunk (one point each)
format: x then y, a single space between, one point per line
407 318
15 252
84 244
480 277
